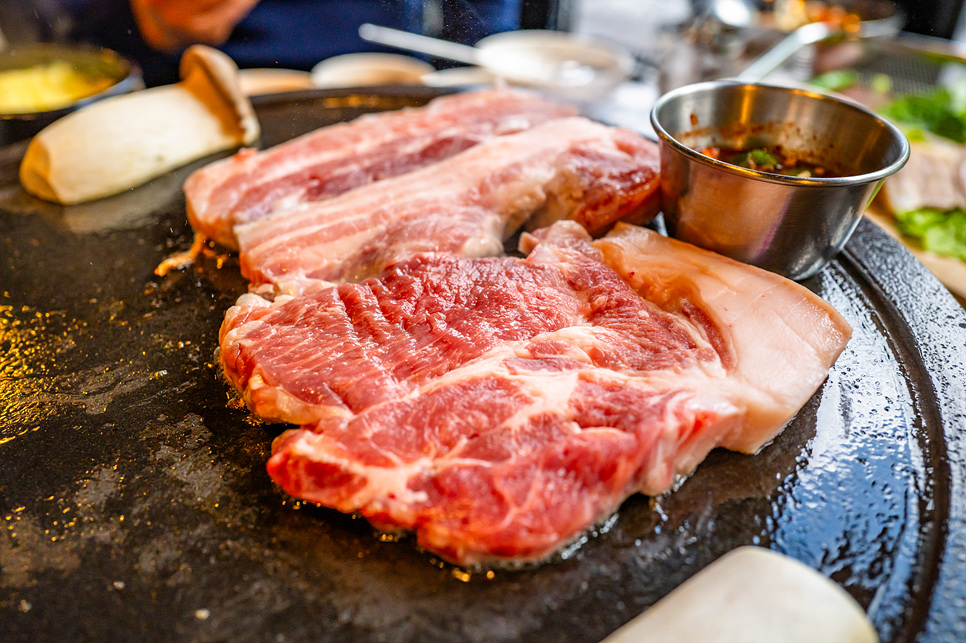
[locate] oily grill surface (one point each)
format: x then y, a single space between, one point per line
134 503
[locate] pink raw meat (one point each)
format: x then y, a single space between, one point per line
335 159
569 168
500 407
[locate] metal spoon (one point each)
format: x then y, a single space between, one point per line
418 43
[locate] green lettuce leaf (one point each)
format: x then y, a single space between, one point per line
940 112
836 80
940 231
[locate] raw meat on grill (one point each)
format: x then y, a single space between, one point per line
566 168
499 407
334 159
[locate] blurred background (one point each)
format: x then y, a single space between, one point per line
296 34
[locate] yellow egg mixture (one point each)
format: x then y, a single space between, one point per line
46 86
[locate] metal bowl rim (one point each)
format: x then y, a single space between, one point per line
768 177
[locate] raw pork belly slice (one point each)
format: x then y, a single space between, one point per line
335 159
499 407
566 168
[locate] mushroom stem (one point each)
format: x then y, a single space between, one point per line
752 595
121 142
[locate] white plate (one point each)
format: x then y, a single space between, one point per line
369 69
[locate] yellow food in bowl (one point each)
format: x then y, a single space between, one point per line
47 86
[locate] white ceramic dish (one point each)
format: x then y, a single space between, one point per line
369 69
572 66
567 64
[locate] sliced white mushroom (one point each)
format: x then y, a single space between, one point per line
121 142
752 595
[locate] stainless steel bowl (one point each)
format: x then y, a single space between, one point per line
786 224
95 61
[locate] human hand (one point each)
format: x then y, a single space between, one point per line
169 25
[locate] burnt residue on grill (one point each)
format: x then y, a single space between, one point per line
134 502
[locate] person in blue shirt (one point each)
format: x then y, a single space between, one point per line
293 34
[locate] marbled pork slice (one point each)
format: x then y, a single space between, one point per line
337 158
568 168
499 407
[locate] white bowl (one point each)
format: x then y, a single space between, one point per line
571 65
366 69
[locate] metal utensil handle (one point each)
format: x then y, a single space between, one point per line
805 35
418 43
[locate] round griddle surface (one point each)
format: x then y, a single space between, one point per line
136 507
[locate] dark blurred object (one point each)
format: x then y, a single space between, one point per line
461 21
547 14
293 34
91 60
23 22
937 18
296 34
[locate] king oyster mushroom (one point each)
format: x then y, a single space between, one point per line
121 142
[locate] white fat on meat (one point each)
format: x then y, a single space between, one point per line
777 340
